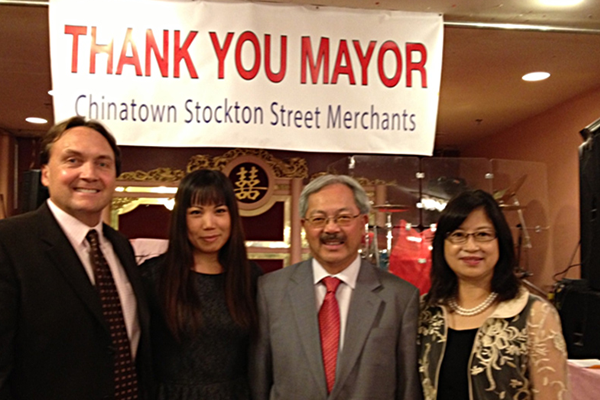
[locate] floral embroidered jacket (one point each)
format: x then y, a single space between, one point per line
519 352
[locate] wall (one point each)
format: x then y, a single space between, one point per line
7 145
551 138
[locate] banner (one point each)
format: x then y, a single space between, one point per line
254 75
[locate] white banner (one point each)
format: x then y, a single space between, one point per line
240 74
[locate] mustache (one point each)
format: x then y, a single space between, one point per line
332 236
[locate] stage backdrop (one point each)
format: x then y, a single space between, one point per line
240 74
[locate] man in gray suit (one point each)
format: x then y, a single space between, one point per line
352 339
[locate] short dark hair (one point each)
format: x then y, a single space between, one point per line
59 129
444 283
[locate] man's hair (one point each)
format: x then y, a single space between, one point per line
59 129
360 196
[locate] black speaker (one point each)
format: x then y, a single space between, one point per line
578 307
589 206
33 193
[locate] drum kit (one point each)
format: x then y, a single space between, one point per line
381 257
508 201
503 197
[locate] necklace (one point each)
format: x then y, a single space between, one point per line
467 312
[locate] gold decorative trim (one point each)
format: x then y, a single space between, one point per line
296 167
118 202
157 175
318 175
287 239
123 205
368 182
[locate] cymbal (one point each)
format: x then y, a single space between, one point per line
511 207
390 207
504 195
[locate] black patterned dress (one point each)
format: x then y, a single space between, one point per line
212 365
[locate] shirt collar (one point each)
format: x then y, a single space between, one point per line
348 275
510 308
73 228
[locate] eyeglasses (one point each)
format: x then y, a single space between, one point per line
460 237
339 220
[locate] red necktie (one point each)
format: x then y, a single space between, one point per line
125 376
329 327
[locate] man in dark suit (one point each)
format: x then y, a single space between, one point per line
334 326
61 336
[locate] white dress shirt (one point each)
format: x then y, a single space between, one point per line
344 292
76 232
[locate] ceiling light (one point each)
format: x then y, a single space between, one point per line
535 76
51 92
36 120
560 3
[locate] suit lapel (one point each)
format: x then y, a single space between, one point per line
361 316
302 298
65 259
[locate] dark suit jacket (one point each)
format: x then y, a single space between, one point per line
379 358
54 342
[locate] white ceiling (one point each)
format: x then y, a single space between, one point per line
481 94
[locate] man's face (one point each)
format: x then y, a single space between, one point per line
332 245
81 174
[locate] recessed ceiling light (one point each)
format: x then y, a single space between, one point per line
36 120
560 3
51 92
535 76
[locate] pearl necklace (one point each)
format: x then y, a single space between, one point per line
467 312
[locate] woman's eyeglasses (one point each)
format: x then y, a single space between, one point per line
460 237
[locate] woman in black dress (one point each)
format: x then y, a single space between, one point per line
202 295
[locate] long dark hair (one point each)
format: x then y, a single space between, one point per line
176 288
444 283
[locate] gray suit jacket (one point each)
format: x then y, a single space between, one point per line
379 358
